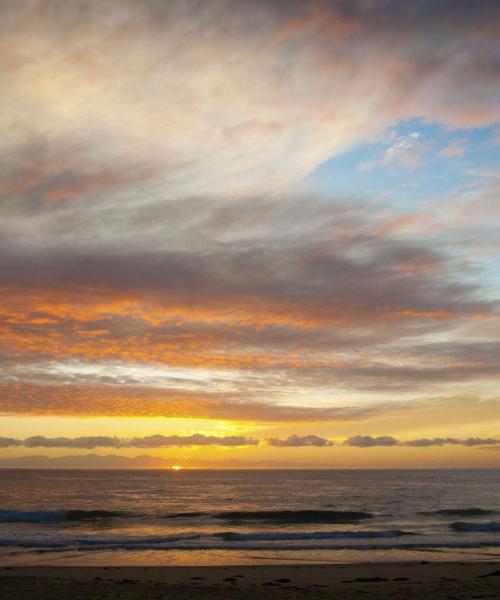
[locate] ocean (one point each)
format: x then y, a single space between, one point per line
247 517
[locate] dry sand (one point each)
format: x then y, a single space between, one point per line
399 581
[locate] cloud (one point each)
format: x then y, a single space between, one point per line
297 441
6 442
403 150
425 442
436 62
240 255
147 215
366 441
455 148
198 439
322 306
40 441
479 441
132 400
153 441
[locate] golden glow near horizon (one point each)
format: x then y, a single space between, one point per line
219 249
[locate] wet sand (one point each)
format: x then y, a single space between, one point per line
432 581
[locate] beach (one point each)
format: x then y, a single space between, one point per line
432 580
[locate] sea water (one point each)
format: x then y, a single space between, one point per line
243 517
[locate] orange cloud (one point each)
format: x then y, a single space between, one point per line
242 333
322 19
121 401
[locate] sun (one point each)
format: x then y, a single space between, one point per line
176 468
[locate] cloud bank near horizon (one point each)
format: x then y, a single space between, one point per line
293 441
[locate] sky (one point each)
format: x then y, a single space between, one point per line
250 234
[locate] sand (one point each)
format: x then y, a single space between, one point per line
399 581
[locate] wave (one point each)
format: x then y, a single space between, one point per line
459 512
310 535
492 526
194 541
279 516
48 516
269 516
187 515
98 543
294 516
205 539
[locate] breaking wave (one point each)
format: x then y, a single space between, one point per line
492 526
166 541
47 516
293 516
378 540
459 512
312 535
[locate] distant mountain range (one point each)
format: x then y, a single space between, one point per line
114 461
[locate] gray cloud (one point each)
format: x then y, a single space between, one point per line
479 441
220 254
6 442
424 442
197 439
366 441
297 441
337 284
154 441
40 441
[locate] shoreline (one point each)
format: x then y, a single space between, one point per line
410 580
